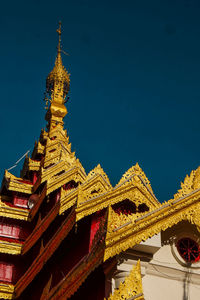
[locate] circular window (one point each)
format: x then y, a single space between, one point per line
189 250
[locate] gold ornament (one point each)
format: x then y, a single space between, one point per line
131 287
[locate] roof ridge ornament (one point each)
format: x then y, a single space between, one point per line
57 87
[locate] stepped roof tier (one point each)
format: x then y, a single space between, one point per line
61 228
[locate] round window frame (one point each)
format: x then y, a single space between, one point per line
188 249
178 257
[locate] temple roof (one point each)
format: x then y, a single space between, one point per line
54 173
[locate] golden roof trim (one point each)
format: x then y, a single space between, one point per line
16 184
190 184
98 170
13 212
38 149
6 291
73 174
116 195
162 218
10 247
30 165
67 199
135 170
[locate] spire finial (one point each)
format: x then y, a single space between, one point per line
59 36
57 87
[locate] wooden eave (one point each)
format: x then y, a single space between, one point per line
57 181
51 175
77 275
13 212
138 181
52 158
58 144
18 186
35 208
59 152
30 165
52 170
159 219
40 228
75 278
60 132
33 165
69 198
45 253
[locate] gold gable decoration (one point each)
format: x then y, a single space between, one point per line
137 177
168 214
135 171
116 220
190 184
99 170
131 287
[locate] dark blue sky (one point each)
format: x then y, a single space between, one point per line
135 83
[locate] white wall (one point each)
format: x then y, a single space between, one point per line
164 275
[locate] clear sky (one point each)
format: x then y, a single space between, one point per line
135 83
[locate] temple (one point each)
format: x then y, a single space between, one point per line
65 234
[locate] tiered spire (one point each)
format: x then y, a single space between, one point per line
57 87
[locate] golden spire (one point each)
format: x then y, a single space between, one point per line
59 37
57 87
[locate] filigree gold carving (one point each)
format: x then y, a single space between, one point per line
186 186
67 199
91 192
56 181
132 286
99 170
38 149
137 177
33 165
135 231
135 170
190 184
116 195
116 220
